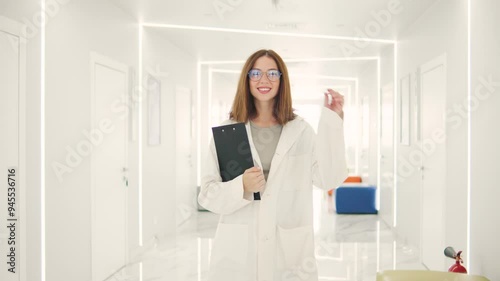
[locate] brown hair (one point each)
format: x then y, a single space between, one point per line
243 105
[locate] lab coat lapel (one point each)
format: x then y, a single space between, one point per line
255 154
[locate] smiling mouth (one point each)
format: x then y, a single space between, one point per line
264 90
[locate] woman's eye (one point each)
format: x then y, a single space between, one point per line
274 74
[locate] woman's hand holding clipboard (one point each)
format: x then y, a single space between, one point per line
253 180
235 157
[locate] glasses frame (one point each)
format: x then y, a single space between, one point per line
262 75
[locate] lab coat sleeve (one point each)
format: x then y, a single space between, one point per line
329 162
217 196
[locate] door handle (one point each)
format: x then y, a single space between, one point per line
125 176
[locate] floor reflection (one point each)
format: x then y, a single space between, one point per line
348 247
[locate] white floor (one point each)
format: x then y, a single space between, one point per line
348 247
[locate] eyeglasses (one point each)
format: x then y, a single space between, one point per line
272 75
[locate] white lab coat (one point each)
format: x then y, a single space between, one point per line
273 239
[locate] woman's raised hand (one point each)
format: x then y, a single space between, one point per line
253 180
334 101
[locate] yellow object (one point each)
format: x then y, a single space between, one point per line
427 275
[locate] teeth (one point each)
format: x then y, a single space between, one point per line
265 89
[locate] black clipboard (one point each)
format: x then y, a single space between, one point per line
233 151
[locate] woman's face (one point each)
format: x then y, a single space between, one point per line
264 90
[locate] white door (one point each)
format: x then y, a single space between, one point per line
108 167
364 162
184 179
386 188
432 93
9 156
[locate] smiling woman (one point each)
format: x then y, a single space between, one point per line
270 102
276 231
264 90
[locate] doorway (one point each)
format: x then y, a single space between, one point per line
433 167
109 167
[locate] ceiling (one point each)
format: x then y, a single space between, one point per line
332 17
222 45
235 25
383 19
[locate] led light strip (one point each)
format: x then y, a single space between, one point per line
469 133
42 143
198 129
299 60
379 136
139 137
259 32
395 139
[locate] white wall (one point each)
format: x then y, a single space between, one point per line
386 133
223 91
368 87
173 67
79 28
23 12
485 153
441 29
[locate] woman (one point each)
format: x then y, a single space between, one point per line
272 239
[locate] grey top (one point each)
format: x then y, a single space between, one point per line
266 141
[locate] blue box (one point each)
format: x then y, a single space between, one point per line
356 199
